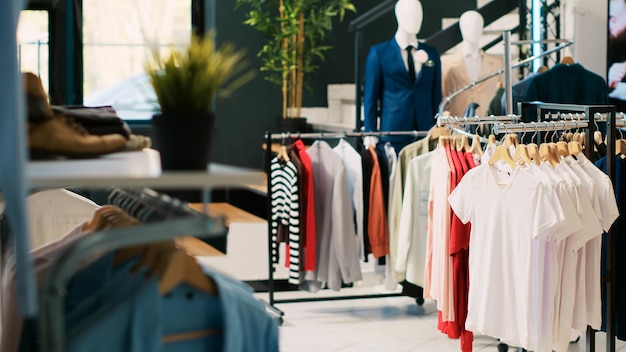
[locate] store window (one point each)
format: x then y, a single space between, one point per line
32 44
117 37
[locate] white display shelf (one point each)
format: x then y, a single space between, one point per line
133 169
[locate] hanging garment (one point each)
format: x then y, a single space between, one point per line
285 213
352 161
392 101
568 84
483 197
309 226
455 76
378 229
412 228
338 258
55 212
366 158
619 227
138 320
399 173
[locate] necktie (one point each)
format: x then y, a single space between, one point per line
409 55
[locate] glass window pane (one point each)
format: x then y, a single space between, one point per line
32 47
117 35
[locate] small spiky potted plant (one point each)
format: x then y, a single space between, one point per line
187 81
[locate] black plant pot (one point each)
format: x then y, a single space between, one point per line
184 141
293 124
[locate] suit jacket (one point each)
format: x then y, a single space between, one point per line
454 77
389 94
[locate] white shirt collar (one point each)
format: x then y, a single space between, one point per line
403 43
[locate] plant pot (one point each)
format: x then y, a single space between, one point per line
293 124
184 141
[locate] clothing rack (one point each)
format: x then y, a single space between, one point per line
52 323
269 138
446 100
608 114
566 114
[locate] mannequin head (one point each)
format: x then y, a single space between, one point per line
409 15
471 24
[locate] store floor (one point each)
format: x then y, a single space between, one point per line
380 324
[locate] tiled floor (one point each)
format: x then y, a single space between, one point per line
381 324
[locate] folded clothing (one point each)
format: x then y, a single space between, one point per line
98 120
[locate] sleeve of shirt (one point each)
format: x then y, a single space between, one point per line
461 200
546 218
564 205
405 225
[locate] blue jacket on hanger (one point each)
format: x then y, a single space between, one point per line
389 94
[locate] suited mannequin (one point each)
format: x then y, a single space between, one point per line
468 64
393 100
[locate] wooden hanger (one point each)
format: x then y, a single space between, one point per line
500 85
567 60
533 153
476 147
521 155
464 144
183 268
492 139
547 153
434 132
562 149
542 69
574 147
501 153
97 221
443 140
620 147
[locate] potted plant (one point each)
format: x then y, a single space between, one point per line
187 82
296 32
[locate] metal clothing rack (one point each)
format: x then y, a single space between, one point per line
269 137
570 116
179 220
608 114
506 70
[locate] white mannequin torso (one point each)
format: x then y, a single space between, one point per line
471 24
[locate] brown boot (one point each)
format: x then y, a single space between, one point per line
61 137
37 100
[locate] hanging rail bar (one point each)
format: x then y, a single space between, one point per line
537 126
275 136
475 120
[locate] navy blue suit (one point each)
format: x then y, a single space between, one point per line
389 93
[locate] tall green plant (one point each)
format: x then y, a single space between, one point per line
296 35
187 80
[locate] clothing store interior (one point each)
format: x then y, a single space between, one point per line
312 175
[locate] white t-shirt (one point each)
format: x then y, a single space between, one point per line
545 262
441 261
507 211
610 212
568 258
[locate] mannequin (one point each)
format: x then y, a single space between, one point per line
469 64
471 24
393 100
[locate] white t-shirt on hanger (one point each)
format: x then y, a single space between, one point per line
507 209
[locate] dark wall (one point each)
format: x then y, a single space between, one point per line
253 109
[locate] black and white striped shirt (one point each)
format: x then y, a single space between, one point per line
286 213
